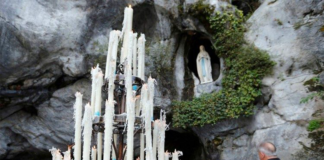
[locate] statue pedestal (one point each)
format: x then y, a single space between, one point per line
207 88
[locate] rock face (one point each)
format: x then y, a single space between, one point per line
290 32
48 47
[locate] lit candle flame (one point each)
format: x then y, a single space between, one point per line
94 147
130 6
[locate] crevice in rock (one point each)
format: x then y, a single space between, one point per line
247 6
186 142
146 19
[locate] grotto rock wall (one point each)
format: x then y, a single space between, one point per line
290 32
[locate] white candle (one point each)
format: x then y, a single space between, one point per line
142 146
130 129
59 155
127 27
128 75
54 153
155 137
150 85
87 131
130 101
175 155
78 118
110 108
109 120
166 155
94 153
110 46
135 54
143 104
112 54
99 83
67 154
147 121
141 56
161 127
99 145
94 72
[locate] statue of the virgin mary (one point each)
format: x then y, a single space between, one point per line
204 66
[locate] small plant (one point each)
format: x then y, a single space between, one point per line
279 22
313 125
313 85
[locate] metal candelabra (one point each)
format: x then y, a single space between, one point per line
120 108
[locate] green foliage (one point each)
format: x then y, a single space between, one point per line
200 10
313 85
313 125
279 22
228 30
245 67
312 96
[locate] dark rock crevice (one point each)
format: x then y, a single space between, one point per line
186 142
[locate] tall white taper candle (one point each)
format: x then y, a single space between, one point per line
142 146
78 118
151 88
130 129
94 72
126 31
99 83
87 131
148 120
130 101
135 54
128 74
141 56
109 120
112 54
155 138
161 126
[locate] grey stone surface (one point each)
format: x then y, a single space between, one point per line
207 88
53 125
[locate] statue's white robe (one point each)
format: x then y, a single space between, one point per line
204 67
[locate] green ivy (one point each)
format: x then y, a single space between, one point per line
245 67
313 125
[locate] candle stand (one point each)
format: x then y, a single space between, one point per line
120 115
